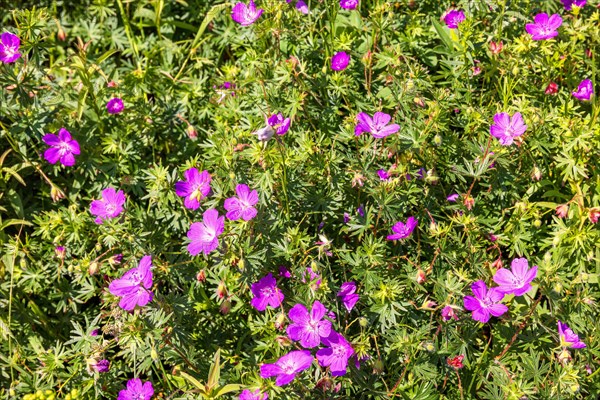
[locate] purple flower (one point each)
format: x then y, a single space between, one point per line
283 271
584 91
114 105
279 124
62 147
245 14
336 355
313 277
383 174
287 366
453 18
518 280
241 206
302 7
361 210
110 206
60 251
448 313
485 302
204 236
544 27
349 4
134 286
265 293
308 328
506 129
195 187
340 61
101 366
453 197
9 47
570 3
348 295
346 218
568 338
136 390
255 395
402 230
94 332
375 126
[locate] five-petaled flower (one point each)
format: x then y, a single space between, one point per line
195 187
114 105
584 91
340 61
308 328
286 368
9 47
518 280
136 390
453 18
336 353
506 129
403 230
348 295
242 205
279 124
485 303
245 14
349 4
568 338
62 147
134 286
265 293
376 126
544 27
110 206
204 236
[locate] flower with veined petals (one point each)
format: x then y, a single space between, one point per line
336 354
204 236
376 126
245 14
506 129
286 368
544 27
242 205
485 303
62 147
403 230
134 286
518 280
195 187
308 328
136 390
9 47
453 18
110 206
265 293
584 91
568 338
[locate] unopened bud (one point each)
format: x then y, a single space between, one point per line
225 307
61 34
594 214
93 268
191 132
280 321
56 194
536 173
201 276
421 277
283 340
497 264
469 202
221 290
363 322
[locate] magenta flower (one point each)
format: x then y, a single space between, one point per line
518 280
336 354
485 303
279 124
134 286
340 61
348 295
245 14
453 18
506 129
110 206
255 395
195 187
9 47
383 174
286 368
308 328
242 205
544 27
453 197
402 230
568 338
101 366
265 293
349 4
136 390
449 313
570 3
376 126
62 147
302 7
584 91
283 271
204 236
114 105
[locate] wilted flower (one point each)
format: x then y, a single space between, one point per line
568 338
100 366
506 129
570 3
340 61
594 214
9 47
336 354
485 303
255 395
453 18
456 362
60 251
62 147
204 236
518 280
265 293
544 27
195 187
348 295
114 105
279 124
584 91
349 4
264 134
115 259
307 327
469 202
552 88
245 14
134 286
286 368
449 313
376 126
403 230
242 205
110 206
136 390
496 47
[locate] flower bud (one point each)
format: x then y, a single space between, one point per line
421 277
536 173
496 48
56 194
283 341
280 321
191 132
378 366
201 276
221 290
469 202
564 357
363 322
537 223
594 214
225 307
93 268
437 140
497 264
154 354
60 252
115 259
552 88
562 210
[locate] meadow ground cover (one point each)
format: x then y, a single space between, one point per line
333 199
